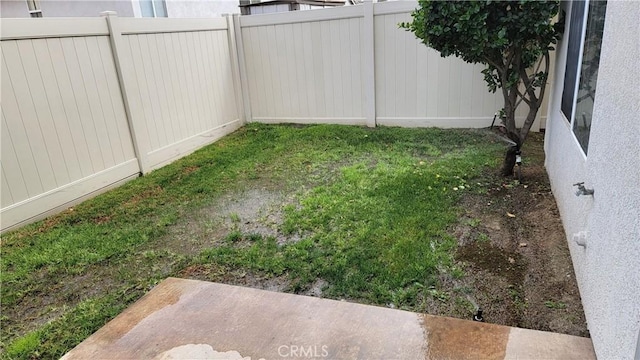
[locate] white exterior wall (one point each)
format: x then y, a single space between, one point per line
201 8
67 8
13 9
124 8
269 9
608 268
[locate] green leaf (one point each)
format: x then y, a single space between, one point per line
489 32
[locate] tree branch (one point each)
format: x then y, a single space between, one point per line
533 76
491 62
528 83
533 108
522 98
510 58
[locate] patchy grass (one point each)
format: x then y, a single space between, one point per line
555 304
370 217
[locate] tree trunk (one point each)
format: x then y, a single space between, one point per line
511 95
512 133
509 161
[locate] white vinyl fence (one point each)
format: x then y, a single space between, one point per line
88 103
353 65
69 131
306 66
179 81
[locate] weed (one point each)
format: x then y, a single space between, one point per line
555 304
464 305
439 295
234 236
25 346
517 298
482 237
474 222
254 237
234 217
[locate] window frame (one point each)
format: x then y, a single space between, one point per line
153 8
578 76
576 88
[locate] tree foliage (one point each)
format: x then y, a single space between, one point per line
512 38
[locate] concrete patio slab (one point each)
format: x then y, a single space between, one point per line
192 319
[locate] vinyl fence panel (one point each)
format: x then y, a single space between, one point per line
64 128
305 66
415 86
312 67
180 84
90 103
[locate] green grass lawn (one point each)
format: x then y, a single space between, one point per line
373 211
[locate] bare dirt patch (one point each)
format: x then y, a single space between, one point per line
256 210
513 249
215 273
62 292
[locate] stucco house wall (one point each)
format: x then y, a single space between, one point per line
124 8
201 8
66 8
55 8
608 267
13 9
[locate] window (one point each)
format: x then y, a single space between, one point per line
581 72
573 56
153 8
34 8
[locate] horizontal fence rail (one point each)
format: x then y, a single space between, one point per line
89 103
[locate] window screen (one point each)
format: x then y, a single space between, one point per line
589 72
159 6
147 8
573 57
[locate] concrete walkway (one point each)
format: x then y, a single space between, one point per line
182 319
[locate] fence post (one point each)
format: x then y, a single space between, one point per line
368 66
235 67
118 51
242 68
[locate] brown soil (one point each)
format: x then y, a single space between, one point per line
209 272
515 255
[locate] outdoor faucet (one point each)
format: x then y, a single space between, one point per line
582 190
